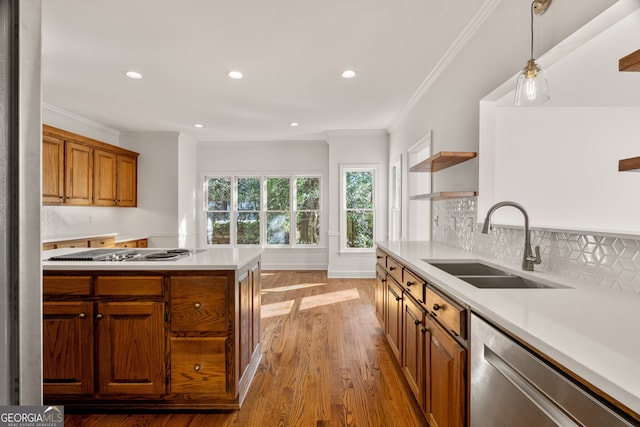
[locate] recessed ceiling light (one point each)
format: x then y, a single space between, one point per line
198 125
134 75
294 124
235 74
348 74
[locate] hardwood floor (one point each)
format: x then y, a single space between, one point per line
325 363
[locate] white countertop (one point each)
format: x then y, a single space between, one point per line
592 331
203 259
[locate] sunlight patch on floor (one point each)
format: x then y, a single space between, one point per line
329 298
293 287
276 309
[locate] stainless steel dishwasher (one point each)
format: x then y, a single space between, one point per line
512 387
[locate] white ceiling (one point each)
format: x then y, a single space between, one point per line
292 53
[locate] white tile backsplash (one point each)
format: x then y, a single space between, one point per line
599 260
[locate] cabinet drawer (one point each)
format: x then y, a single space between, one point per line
395 269
449 314
198 366
66 285
199 304
414 285
129 286
381 258
102 242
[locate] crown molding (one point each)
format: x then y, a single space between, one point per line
79 118
467 33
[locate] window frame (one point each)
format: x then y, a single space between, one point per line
361 167
234 211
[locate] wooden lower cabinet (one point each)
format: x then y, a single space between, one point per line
433 358
131 348
151 340
68 345
380 293
445 394
198 366
413 348
393 315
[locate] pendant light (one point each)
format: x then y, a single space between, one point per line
532 87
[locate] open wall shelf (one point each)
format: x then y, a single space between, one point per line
442 160
441 195
630 62
631 165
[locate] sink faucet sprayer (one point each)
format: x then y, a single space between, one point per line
528 260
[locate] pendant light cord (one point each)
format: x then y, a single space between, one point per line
532 7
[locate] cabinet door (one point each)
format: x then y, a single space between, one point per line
380 292
255 309
126 186
52 170
78 174
446 397
394 316
413 361
244 330
67 348
104 178
131 348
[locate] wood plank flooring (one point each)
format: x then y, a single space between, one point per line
325 363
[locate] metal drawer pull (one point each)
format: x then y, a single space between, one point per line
99 316
82 315
410 283
197 305
196 368
417 322
436 307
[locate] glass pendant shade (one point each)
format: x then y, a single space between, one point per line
532 87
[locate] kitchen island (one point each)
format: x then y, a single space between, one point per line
178 333
587 333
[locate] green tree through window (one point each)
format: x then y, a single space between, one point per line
358 192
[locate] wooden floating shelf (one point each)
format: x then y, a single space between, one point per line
632 164
442 160
441 195
630 62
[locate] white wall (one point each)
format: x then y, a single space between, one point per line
188 185
497 50
566 172
356 147
158 187
270 158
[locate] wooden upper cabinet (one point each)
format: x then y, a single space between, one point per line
127 181
52 169
82 171
78 174
104 175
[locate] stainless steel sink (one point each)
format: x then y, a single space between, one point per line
484 276
504 282
468 269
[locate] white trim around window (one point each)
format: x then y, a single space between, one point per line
345 246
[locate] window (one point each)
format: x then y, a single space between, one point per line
307 212
278 212
218 211
275 211
358 186
248 212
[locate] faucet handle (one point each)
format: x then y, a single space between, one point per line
537 259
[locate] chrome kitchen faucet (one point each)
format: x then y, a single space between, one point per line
528 260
